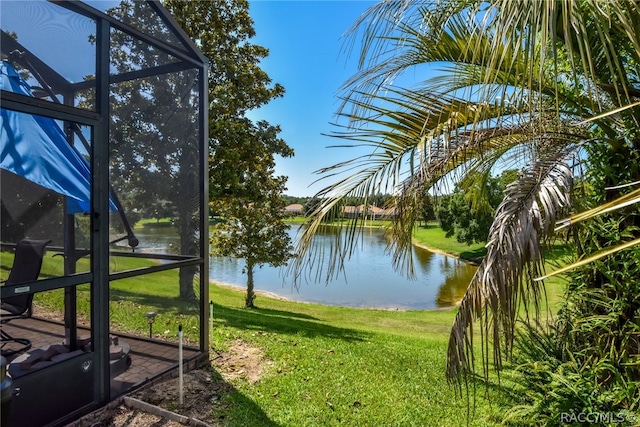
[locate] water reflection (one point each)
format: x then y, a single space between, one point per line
440 281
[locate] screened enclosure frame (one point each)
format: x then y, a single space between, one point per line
96 122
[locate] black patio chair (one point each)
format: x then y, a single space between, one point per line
26 268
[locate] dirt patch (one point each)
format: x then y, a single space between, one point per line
54 315
203 390
241 361
123 416
202 396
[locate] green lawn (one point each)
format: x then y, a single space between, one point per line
324 365
434 237
340 366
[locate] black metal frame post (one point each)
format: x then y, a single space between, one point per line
100 219
203 87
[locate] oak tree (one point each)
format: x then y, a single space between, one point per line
243 188
164 108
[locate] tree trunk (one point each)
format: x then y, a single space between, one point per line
186 283
187 204
248 302
188 246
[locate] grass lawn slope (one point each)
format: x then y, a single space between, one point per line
339 366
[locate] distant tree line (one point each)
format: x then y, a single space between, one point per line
466 213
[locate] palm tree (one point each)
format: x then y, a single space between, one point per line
527 84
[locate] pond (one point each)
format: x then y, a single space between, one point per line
369 281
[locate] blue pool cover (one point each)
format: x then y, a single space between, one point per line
35 148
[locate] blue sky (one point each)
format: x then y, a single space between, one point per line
306 56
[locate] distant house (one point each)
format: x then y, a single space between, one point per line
372 212
375 212
359 211
388 213
352 211
294 209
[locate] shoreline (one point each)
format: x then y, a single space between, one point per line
281 298
474 262
257 291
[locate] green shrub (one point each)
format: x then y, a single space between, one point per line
559 387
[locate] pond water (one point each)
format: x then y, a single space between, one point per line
369 281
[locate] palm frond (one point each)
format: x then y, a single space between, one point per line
503 280
415 140
471 52
594 257
607 114
623 201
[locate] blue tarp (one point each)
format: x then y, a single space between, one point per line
35 148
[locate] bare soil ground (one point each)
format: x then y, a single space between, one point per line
202 395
